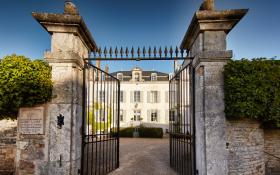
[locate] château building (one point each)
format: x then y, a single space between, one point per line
144 98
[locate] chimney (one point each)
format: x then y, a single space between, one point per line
97 64
107 68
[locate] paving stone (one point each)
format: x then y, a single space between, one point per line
140 156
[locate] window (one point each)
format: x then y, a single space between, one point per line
153 77
121 96
100 115
120 76
154 96
101 96
137 115
154 117
137 76
171 75
171 116
121 115
137 96
103 77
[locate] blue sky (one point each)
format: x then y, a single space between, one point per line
139 23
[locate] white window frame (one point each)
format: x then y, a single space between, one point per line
154 116
120 76
137 115
101 96
137 76
153 77
100 113
121 96
121 115
154 96
137 96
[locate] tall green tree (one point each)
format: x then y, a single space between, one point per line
23 83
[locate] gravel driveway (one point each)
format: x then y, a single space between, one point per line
140 156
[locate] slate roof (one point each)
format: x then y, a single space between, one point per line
146 75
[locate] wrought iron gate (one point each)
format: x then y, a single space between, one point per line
100 139
182 122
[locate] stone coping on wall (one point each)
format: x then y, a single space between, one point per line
207 20
49 19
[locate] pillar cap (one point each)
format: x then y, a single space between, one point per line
211 20
68 22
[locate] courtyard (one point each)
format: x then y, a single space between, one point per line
142 156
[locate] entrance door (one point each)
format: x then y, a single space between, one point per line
181 121
101 104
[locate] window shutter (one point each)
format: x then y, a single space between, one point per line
124 119
141 96
124 96
166 116
131 96
148 97
158 116
149 116
166 97
158 96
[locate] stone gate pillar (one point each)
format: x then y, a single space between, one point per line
71 41
206 42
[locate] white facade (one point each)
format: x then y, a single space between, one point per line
147 104
144 99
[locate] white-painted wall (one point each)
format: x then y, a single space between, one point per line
129 106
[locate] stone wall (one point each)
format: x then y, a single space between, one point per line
245 146
272 149
8 133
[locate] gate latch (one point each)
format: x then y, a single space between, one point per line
60 121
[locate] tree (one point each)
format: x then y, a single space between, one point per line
23 83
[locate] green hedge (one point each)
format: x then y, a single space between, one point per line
126 132
150 132
252 90
143 132
23 83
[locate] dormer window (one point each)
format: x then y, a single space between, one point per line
137 76
153 77
171 75
120 76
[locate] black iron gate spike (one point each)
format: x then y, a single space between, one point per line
142 54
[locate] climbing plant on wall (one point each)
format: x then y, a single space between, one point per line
252 90
23 83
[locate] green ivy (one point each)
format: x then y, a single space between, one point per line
252 90
23 83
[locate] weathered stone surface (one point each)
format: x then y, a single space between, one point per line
214 40
58 152
211 20
211 157
31 120
272 149
207 5
8 132
245 147
70 8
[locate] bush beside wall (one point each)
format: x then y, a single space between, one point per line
150 132
143 132
126 132
23 83
252 90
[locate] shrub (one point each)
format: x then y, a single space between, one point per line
126 132
23 83
150 132
252 90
